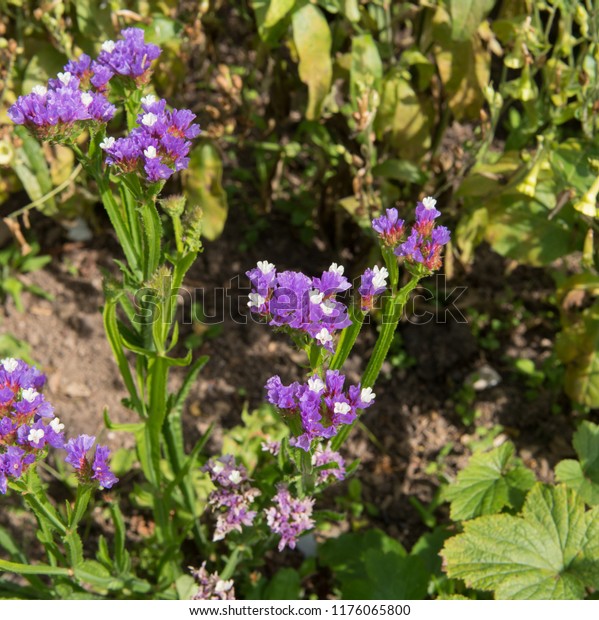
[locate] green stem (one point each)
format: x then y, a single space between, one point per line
391 314
348 337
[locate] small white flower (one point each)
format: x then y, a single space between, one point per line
338 269
429 202
108 46
56 425
150 152
323 336
148 100
265 267
367 395
65 77
316 384
327 307
149 119
256 300
29 395
107 143
341 408
35 435
380 277
39 90
86 99
316 297
235 476
217 468
9 364
223 586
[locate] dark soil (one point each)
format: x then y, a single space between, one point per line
415 414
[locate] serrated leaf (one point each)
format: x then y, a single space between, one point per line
491 481
551 551
312 37
202 182
583 475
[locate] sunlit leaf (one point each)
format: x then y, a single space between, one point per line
491 481
551 551
202 182
312 37
366 66
583 475
466 17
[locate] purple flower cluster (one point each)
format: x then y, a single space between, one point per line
27 421
324 456
424 243
128 57
159 146
320 406
292 299
87 469
28 425
233 496
211 587
289 517
61 110
372 283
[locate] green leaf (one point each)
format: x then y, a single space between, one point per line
577 345
284 586
202 182
312 38
490 482
551 551
466 17
271 18
366 66
403 117
583 475
570 162
400 170
372 565
29 164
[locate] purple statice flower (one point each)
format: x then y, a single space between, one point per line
324 456
426 240
321 406
61 110
101 469
289 517
211 587
225 472
80 68
158 147
292 300
372 283
27 422
389 227
272 447
233 496
86 468
129 57
235 513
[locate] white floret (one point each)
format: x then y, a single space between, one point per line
338 269
429 202
265 267
108 46
367 395
35 435
107 143
149 119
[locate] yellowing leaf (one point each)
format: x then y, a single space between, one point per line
464 67
312 37
202 182
404 117
466 17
